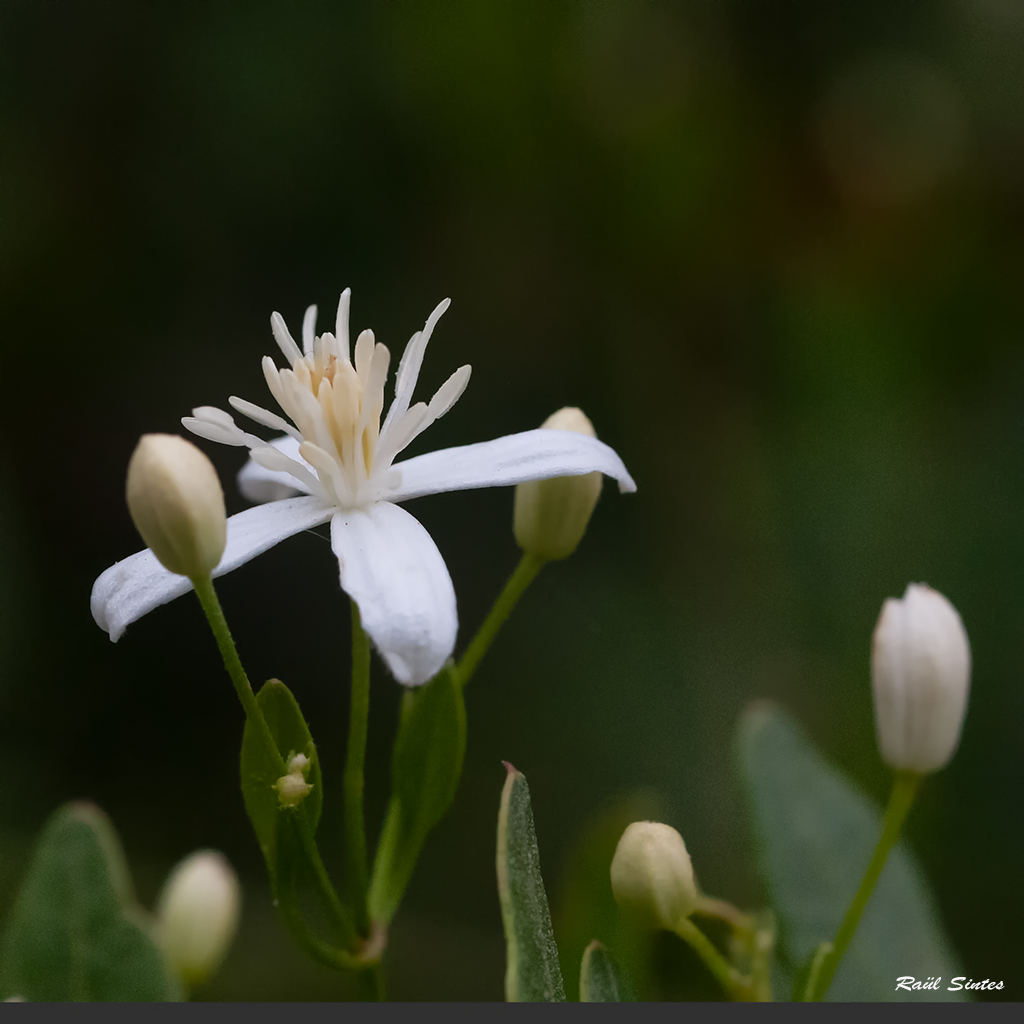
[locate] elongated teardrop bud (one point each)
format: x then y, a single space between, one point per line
551 516
197 915
177 504
920 674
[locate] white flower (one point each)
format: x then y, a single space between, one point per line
338 456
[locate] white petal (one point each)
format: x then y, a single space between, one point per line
263 416
363 353
259 484
409 366
400 435
531 455
277 462
449 392
284 339
341 323
393 571
308 330
131 588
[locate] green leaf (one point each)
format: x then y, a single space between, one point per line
75 932
602 980
273 823
532 974
426 765
814 834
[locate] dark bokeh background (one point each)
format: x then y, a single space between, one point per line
773 250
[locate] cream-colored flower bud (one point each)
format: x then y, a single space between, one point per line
921 674
292 788
197 915
652 877
177 504
551 516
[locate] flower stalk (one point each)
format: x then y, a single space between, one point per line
222 634
904 789
229 653
355 825
525 573
736 987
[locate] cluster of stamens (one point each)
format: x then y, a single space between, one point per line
334 408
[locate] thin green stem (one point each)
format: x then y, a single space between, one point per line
355 825
371 983
709 906
525 573
215 616
762 944
904 789
735 985
229 653
821 955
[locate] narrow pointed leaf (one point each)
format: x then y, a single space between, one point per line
260 771
814 834
426 766
532 974
602 980
75 933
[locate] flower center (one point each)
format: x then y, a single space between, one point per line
334 405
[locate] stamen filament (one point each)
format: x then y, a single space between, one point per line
264 417
284 339
308 329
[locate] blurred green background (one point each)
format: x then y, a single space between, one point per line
775 251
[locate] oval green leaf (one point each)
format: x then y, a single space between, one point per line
426 766
75 933
814 834
260 770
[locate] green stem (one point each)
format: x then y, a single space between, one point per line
215 616
904 789
763 942
229 653
371 983
355 825
728 977
821 955
525 573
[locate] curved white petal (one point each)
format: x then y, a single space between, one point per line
393 571
409 367
260 484
308 330
138 584
531 455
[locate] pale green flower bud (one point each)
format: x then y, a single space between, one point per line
197 915
652 877
292 788
177 504
551 516
921 675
